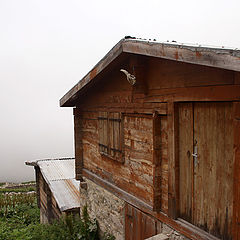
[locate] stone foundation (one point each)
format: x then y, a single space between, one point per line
171 233
105 207
109 212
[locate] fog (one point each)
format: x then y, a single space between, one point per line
48 46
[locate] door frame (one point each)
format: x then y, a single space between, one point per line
173 161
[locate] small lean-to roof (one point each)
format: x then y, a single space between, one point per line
59 175
219 57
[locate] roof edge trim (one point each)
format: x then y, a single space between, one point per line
103 63
228 59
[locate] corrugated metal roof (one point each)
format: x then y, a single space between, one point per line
60 176
66 193
57 169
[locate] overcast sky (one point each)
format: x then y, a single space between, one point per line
47 46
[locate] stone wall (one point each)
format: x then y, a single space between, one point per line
171 233
105 207
109 211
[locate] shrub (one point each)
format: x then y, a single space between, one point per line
19 219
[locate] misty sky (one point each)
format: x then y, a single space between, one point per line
47 46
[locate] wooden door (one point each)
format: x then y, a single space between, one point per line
138 225
206 166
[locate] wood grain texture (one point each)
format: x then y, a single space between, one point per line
213 189
185 133
236 188
206 185
170 74
151 147
186 94
173 172
138 225
78 143
135 175
157 162
220 58
236 77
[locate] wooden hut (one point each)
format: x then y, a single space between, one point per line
57 189
157 140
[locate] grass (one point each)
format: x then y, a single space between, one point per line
18 213
29 182
20 217
17 190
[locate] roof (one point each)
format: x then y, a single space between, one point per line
60 177
219 57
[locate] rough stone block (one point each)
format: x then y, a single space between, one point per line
160 236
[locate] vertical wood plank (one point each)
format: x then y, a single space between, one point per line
157 163
49 205
237 78
173 162
138 225
164 164
106 140
78 143
37 173
149 227
111 134
185 132
138 67
213 189
103 132
236 187
128 222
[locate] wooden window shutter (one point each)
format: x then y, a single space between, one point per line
103 132
115 135
110 136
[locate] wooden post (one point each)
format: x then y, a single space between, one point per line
157 163
78 143
37 173
173 166
236 184
49 205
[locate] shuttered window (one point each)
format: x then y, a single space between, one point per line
110 137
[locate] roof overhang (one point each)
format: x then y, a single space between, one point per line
59 174
207 56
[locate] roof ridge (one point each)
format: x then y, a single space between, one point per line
184 44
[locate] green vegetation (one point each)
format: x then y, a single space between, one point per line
17 190
29 182
18 213
19 219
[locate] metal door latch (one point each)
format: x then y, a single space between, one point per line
195 154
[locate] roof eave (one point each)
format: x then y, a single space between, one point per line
213 57
71 95
33 164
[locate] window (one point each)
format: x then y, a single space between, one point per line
110 135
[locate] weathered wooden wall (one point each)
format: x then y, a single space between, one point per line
43 199
150 170
48 205
135 175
